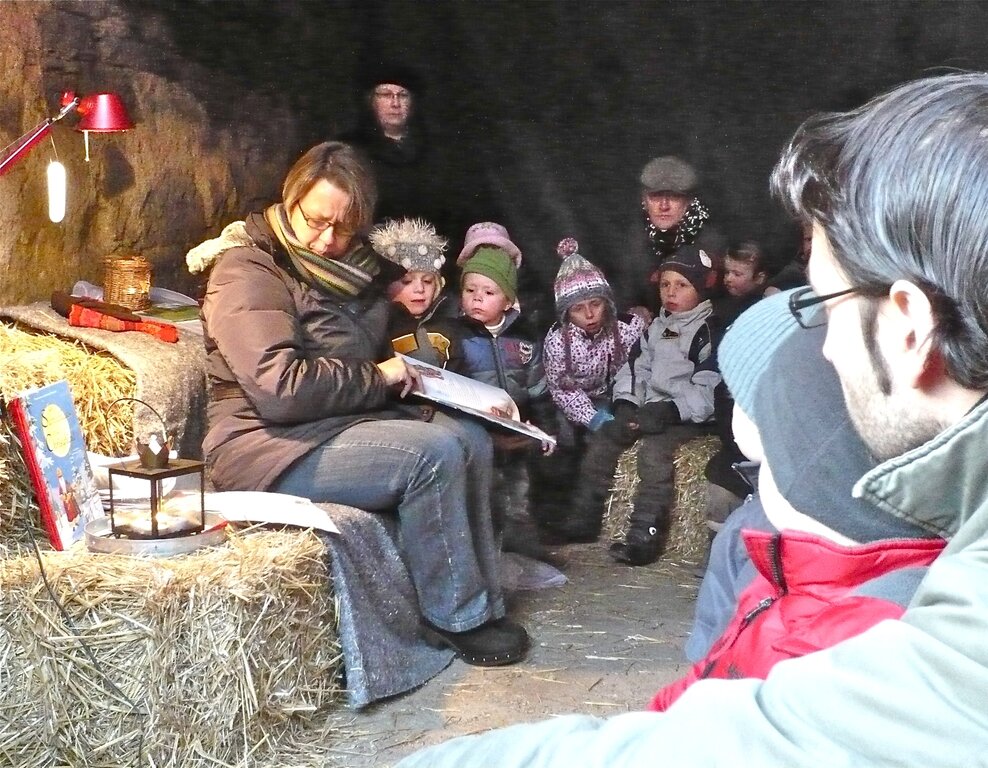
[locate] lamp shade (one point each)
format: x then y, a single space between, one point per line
103 112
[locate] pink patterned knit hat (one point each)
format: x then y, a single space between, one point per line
488 233
577 279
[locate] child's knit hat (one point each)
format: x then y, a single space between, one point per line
410 243
488 233
496 264
578 279
776 372
695 265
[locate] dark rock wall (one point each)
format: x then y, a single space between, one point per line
546 110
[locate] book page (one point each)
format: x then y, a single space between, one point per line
474 397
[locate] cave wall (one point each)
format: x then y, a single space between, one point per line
207 145
550 108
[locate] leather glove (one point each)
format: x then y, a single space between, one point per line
623 429
654 417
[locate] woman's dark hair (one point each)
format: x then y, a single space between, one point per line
900 187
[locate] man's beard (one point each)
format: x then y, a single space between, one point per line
886 424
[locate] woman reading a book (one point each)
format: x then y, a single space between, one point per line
306 397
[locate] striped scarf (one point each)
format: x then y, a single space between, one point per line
342 278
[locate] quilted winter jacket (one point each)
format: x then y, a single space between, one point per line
809 593
292 367
673 361
511 361
909 692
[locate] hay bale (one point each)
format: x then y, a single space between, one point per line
688 535
33 359
212 658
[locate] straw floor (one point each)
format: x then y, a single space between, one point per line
689 533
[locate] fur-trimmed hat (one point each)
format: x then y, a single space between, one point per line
669 174
494 263
410 243
695 265
577 279
488 233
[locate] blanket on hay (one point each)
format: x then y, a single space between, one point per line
171 378
383 651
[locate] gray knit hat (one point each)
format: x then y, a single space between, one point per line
778 376
410 243
750 342
669 174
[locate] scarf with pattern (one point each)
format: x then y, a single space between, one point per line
343 278
663 243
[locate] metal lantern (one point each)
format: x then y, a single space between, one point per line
153 465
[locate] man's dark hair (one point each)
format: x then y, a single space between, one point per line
900 186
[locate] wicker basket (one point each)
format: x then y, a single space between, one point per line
127 281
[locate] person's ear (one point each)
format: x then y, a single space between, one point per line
909 325
760 277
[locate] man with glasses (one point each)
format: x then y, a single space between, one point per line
897 191
408 168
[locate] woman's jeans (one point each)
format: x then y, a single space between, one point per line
437 477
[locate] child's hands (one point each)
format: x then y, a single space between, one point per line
507 411
643 312
623 429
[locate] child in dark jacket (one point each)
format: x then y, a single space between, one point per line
420 326
583 351
499 349
662 395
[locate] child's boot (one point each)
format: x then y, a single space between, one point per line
641 545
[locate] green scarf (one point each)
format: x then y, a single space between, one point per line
342 278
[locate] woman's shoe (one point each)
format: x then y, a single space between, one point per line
493 644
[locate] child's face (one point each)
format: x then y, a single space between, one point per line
588 315
740 278
676 292
415 291
482 299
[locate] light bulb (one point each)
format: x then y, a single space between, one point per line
56 191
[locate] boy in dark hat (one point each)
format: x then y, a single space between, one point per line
662 394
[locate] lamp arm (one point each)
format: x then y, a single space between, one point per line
25 143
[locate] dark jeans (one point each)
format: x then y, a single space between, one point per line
437 477
656 492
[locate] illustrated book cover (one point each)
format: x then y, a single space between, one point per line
54 451
468 395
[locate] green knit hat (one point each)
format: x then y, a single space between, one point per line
495 264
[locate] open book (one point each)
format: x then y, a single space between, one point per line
473 397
